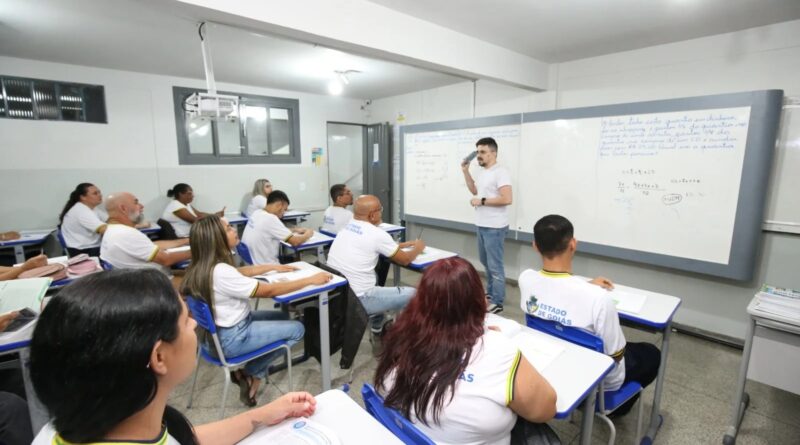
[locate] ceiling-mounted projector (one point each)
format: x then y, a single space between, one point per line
218 106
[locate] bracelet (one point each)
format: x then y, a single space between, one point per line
483 201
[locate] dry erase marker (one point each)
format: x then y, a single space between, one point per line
470 157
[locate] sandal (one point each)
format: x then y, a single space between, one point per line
245 384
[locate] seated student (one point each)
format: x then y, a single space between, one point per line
125 247
582 304
10 273
265 230
179 212
459 382
228 290
261 189
119 361
355 253
81 227
337 215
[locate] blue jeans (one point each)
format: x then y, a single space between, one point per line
382 299
259 329
491 243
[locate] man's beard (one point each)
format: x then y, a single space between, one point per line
135 217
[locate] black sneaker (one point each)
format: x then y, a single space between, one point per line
494 308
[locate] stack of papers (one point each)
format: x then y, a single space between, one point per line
779 301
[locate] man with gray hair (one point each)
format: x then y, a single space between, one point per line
125 247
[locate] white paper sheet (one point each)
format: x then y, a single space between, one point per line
300 431
628 302
539 350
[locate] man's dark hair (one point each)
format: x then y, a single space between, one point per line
552 235
277 196
489 142
337 190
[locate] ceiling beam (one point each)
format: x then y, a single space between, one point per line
368 29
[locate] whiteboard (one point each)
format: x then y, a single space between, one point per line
434 184
783 205
656 182
678 183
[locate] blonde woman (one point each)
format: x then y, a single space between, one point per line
213 278
261 189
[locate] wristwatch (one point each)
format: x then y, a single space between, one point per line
483 201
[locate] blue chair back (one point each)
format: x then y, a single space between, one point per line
106 265
61 240
392 419
244 252
202 314
325 232
568 333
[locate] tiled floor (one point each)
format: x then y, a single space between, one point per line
696 402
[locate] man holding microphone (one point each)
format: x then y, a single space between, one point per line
491 194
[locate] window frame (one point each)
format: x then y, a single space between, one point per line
185 157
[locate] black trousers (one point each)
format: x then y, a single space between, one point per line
382 270
641 366
15 423
92 251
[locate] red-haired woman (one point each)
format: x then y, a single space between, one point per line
459 382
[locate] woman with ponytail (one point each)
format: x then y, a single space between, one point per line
179 211
81 227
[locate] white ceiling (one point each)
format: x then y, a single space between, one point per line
149 36
563 30
141 36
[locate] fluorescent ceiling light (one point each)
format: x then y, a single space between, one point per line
335 87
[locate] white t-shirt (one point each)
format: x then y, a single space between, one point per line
479 412
335 218
355 253
80 226
488 181
47 436
263 235
127 248
232 293
258 202
181 227
575 302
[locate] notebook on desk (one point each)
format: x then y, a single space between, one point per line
18 294
539 350
26 296
628 301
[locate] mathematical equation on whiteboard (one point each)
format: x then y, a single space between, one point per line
670 192
433 160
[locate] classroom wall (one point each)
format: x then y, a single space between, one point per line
759 58
136 151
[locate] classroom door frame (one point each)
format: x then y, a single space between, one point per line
376 158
